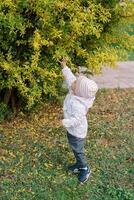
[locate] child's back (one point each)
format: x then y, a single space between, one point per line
75 108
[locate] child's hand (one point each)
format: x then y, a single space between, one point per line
60 123
64 61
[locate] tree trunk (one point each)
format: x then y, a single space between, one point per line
13 103
7 96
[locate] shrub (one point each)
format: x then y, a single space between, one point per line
35 34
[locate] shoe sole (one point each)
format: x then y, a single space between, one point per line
81 183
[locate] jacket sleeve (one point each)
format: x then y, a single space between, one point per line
78 115
69 76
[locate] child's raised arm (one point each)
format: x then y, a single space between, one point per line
68 75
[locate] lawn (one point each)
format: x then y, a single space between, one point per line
131 56
35 153
131 53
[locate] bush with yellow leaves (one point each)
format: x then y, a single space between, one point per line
36 34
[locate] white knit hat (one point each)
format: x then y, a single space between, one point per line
85 87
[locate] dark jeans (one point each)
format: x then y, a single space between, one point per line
77 145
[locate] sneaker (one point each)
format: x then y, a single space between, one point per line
73 168
84 174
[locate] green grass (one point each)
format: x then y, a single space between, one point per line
34 155
131 53
131 56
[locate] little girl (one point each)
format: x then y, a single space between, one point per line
80 98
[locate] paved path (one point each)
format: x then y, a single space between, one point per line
120 77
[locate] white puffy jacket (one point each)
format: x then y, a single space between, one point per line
75 108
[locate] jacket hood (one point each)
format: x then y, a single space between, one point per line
87 102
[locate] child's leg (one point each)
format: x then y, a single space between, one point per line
77 145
